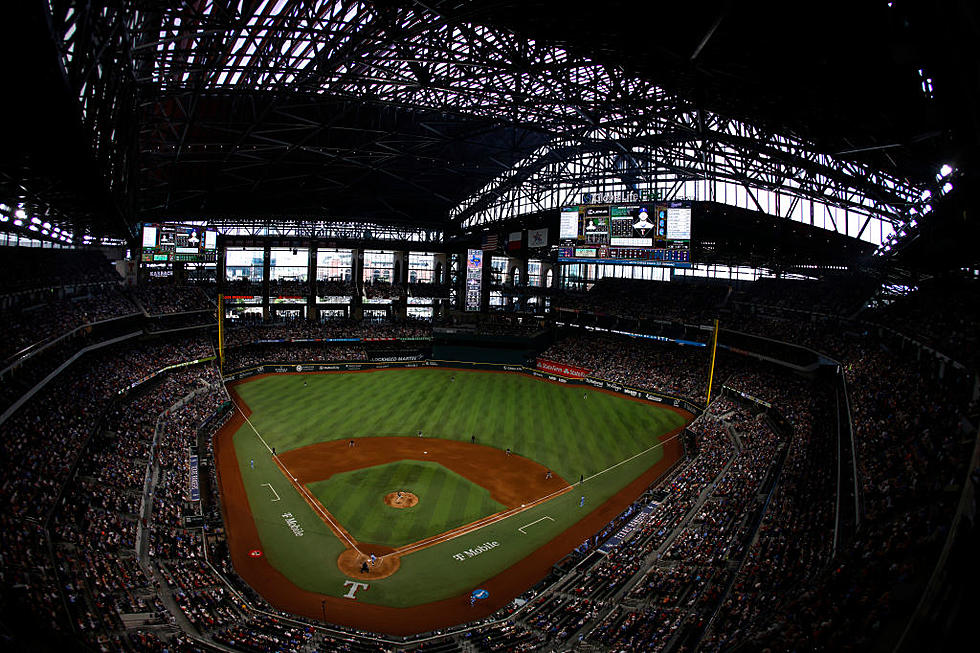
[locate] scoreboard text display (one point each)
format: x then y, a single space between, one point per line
169 243
636 233
474 279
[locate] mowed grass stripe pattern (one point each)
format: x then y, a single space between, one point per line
446 501
551 424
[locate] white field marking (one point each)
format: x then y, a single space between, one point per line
623 462
521 529
500 516
269 485
313 503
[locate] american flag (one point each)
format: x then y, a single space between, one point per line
489 242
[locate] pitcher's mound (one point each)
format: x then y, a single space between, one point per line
400 499
352 563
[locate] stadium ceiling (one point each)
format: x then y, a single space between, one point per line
441 113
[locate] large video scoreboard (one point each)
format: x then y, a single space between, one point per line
169 243
636 233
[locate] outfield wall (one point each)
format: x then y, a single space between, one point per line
598 384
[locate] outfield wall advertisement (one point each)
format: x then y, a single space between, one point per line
599 384
561 368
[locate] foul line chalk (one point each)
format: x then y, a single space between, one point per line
521 529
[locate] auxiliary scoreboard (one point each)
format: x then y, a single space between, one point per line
169 243
656 233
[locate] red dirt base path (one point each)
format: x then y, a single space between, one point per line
284 595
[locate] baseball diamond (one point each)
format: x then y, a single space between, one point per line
346 442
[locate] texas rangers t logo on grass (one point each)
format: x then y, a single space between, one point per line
354 586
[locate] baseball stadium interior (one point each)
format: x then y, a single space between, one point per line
721 258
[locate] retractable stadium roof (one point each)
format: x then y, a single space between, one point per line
449 113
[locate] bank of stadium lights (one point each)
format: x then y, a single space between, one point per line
943 177
926 84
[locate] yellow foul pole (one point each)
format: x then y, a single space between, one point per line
714 350
221 334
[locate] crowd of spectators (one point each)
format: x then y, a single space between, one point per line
69 406
638 299
289 289
691 538
159 298
911 458
842 296
40 317
422 289
35 268
335 288
242 358
383 290
178 321
254 331
97 410
911 461
942 313
243 287
737 552
650 365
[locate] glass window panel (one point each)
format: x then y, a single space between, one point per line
244 265
378 266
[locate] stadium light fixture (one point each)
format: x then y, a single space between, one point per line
946 170
18 222
35 220
20 214
947 187
33 227
926 194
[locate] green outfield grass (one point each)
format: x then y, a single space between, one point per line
447 501
549 423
